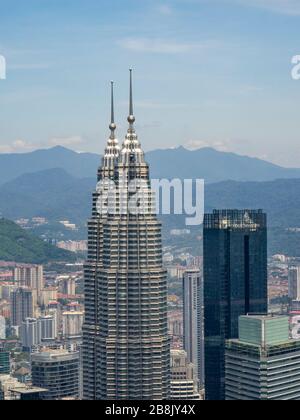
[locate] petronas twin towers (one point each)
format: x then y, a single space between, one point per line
126 353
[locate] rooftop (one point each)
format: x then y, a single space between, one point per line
262 317
54 355
28 390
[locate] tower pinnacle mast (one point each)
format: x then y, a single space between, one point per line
112 126
131 117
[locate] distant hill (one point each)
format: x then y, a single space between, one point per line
81 165
53 193
280 199
20 246
57 195
207 163
214 166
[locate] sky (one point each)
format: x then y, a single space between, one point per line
207 73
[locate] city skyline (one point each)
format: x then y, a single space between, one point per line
149 225
206 80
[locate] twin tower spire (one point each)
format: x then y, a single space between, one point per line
131 117
131 145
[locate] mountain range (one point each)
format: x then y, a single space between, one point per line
56 195
52 193
58 183
206 163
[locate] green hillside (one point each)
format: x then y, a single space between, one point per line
20 246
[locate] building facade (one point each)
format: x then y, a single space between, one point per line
4 362
126 353
67 286
193 322
184 381
30 334
294 283
30 276
47 326
58 372
21 306
263 364
235 283
2 328
72 322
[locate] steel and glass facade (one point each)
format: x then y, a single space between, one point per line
4 362
126 352
58 372
235 283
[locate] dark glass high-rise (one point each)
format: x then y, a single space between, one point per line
235 283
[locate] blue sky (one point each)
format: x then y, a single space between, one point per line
207 73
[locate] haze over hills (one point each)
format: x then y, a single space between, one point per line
81 165
207 163
57 195
214 166
58 184
52 193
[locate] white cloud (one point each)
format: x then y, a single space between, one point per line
165 9
221 146
288 7
17 146
160 46
22 146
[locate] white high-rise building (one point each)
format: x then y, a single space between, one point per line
30 336
47 295
193 321
2 328
67 285
47 327
72 324
294 283
30 276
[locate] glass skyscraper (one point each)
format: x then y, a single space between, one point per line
126 353
235 283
